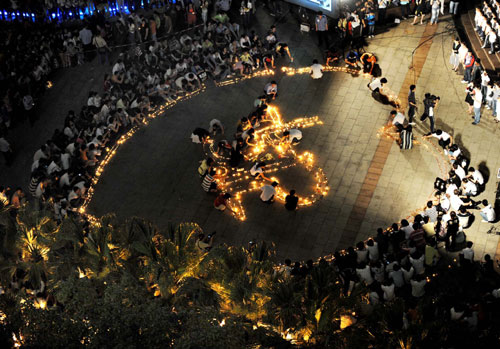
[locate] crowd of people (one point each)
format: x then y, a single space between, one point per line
486 22
360 18
150 71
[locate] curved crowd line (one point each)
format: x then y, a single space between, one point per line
385 131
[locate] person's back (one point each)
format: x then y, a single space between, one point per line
291 201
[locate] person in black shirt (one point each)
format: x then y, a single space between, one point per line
452 230
412 104
291 201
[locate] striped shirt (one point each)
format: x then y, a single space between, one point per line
207 182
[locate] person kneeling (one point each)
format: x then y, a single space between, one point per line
268 193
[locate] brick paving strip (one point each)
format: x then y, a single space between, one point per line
377 164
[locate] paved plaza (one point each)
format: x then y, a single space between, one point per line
373 183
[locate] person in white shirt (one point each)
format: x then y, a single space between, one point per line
364 273
65 161
459 171
445 203
417 261
408 272
487 212
377 84
470 188
316 70
485 80
292 136
478 101
455 201
271 90
257 171
398 119
453 152
468 252
388 288
476 176
215 126
268 193
42 153
372 248
418 286
444 138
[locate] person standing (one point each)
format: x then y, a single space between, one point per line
85 36
405 9
382 8
435 7
485 80
370 20
468 65
412 104
322 29
419 11
454 7
454 58
102 48
478 100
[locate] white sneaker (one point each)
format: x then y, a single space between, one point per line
483 221
412 123
464 82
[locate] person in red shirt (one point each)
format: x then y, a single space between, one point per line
468 64
221 202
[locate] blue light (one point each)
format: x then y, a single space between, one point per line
53 15
70 14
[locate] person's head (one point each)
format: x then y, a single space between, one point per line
212 172
426 219
2 189
360 245
274 184
274 83
201 236
429 204
478 61
439 132
394 113
288 262
292 192
286 133
465 180
487 258
404 223
383 81
485 202
227 196
412 87
320 13
210 161
370 243
396 267
469 244
462 209
453 214
315 61
261 164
